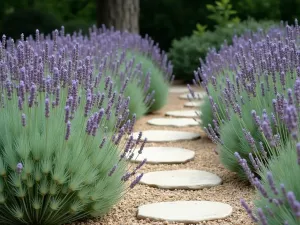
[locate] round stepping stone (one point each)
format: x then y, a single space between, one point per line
180 122
189 212
198 95
184 113
179 89
193 104
166 135
167 155
181 179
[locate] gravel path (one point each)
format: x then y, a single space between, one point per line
229 192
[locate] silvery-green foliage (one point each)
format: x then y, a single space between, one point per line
65 132
242 82
277 199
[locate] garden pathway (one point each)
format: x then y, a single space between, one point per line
204 159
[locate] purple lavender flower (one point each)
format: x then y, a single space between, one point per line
67 114
140 164
136 180
88 106
102 142
291 120
47 108
271 183
298 153
23 120
57 94
19 168
132 124
262 217
249 211
68 131
297 91
254 163
143 144
32 95
112 170
20 103
294 204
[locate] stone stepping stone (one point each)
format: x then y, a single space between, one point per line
175 122
166 135
184 113
166 155
193 104
179 89
181 179
198 95
188 212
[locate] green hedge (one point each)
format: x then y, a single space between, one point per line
186 52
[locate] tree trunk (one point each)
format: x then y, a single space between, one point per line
121 14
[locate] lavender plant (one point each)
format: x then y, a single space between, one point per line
277 193
246 76
158 83
65 131
151 67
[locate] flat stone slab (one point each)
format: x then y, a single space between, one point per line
184 113
166 135
166 155
198 95
175 122
181 179
188 212
179 89
193 104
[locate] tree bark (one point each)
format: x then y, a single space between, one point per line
121 14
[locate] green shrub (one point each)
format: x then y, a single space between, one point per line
186 52
62 179
76 25
233 129
232 134
207 116
137 105
158 83
277 192
66 133
146 78
285 172
243 93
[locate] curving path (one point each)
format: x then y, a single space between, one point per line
229 192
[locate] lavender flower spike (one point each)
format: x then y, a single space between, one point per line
271 183
68 131
19 168
23 120
249 211
298 153
136 181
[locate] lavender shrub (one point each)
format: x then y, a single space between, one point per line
242 81
277 193
141 57
65 132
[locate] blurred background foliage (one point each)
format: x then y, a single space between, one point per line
163 20
166 21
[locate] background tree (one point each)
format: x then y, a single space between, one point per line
121 14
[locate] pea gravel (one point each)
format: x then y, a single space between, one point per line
230 191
